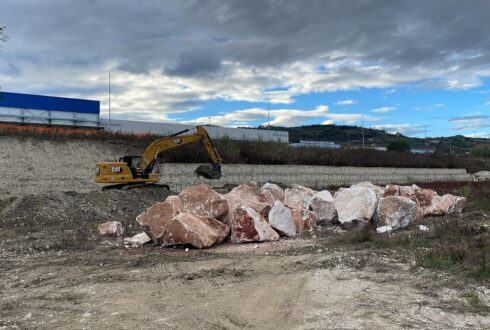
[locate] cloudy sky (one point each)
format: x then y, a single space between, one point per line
407 66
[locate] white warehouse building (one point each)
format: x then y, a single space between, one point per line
143 127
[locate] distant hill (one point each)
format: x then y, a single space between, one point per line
352 135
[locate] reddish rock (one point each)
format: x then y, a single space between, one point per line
248 225
391 190
437 206
298 197
156 219
272 193
203 202
245 195
110 228
304 220
299 223
186 228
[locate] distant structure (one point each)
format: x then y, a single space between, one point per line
315 144
422 151
215 132
29 109
51 111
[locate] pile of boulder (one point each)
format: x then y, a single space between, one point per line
202 217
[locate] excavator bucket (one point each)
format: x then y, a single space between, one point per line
208 172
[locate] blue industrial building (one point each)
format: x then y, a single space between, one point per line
18 108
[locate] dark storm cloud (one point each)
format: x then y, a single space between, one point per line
193 37
195 64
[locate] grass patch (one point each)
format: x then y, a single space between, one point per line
475 304
73 297
367 238
458 247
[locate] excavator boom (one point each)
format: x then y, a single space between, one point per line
135 169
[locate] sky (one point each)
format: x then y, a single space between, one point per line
415 67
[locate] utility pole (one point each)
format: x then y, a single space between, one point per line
362 128
109 98
268 115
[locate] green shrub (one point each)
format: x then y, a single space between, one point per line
400 146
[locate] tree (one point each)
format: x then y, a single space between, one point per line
400 146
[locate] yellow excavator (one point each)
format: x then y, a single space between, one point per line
136 171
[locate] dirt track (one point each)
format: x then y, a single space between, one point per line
57 273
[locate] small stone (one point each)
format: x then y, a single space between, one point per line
137 240
110 228
384 229
423 228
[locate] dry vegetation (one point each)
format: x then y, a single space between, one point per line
260 152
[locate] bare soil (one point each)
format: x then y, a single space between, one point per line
57 273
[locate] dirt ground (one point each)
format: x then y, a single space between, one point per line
57 273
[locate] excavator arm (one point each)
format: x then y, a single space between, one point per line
128 171
169 142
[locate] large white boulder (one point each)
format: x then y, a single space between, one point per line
356 204
396 212
281 219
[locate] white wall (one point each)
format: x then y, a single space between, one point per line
48 117
130 126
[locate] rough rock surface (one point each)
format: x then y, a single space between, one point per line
248 225
438 206
323 207
203 202
298 197
396 212
281 219
380 191
245 195
406 191
355 204
110 228
455 203
272 193
304 220
156 219
481 176
186 228
137 240
391 190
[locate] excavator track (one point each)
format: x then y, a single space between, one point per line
130 186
